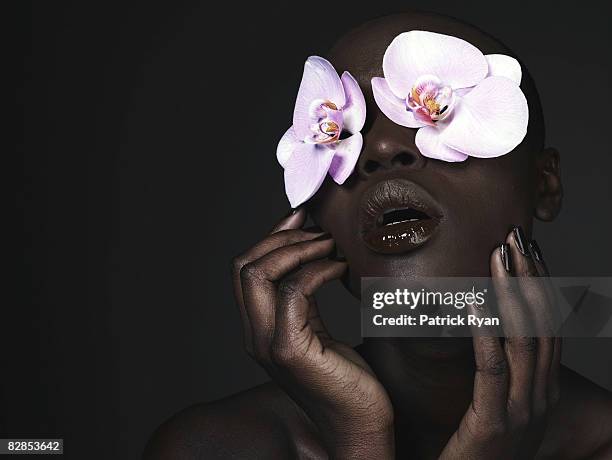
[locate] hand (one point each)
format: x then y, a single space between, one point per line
516 384
275 282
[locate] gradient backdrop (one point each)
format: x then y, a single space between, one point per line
149 161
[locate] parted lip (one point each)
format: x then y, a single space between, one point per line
397 216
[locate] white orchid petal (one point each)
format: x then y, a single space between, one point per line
501 65
305 171
490 121
320 81
354 111
286 146
347 154
454 61
429 142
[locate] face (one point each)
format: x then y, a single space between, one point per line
402 214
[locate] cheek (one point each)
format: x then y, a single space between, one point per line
491 196
334 210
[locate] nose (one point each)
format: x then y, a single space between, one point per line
389 146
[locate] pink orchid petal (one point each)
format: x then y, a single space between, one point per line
354 111
392 106
490 121
286 146
429 142
319 81
305 171
347 154
454 61
501 65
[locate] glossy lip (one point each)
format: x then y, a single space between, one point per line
400 237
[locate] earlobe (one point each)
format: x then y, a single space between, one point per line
549 190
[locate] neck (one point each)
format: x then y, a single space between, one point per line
429 380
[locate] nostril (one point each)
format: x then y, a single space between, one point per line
371 166
403 159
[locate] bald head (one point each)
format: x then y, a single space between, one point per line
361 52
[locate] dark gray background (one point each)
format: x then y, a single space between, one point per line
148 162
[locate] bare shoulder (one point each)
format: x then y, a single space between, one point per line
581 425
258 423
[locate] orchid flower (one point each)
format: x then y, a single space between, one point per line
463 102
326 107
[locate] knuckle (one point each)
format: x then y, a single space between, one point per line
237 263
494 366
289 289
531 344
525 344
251 271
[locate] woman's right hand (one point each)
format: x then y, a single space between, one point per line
274 284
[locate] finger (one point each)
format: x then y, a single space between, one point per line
532 287
482 312
490 380
295 219
258 280
541 380
522 263
556 316
294 335
532 283
513 313
538 258
279 262
522 355
520 348
279 239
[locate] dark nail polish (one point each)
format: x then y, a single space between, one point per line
519 239
535 250
505 256
325 236
313 229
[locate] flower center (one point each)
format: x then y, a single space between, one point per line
429 100
327 122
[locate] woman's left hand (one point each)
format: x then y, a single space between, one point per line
516 384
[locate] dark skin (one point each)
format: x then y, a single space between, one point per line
478 398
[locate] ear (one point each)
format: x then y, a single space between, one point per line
549 191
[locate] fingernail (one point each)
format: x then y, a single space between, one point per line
325 236
313 229
535 250
505 256
519 239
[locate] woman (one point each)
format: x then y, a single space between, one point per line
420 398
